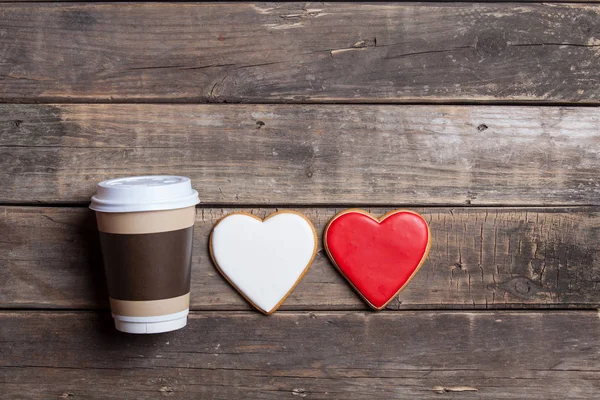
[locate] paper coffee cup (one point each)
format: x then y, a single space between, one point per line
146 232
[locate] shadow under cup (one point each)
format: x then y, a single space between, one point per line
147 260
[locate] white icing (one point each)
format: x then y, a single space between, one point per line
263 260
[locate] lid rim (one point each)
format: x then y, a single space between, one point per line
152 193
150 206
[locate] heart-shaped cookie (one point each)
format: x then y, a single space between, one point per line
263 259
377 256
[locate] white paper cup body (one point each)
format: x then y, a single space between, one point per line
158 324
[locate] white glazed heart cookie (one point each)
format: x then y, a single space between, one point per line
264 259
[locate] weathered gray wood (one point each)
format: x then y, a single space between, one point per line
424 1
480 258
300 52
278 154
305 355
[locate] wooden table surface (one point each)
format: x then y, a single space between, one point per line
481 116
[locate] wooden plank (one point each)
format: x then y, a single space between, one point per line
317 155
424 1
317 355
480 258
299 52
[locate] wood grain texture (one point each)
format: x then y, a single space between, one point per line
316 355
423 1
480 258
300 52
317 155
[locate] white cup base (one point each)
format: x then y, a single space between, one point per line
146 325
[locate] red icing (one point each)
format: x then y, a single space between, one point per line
378 258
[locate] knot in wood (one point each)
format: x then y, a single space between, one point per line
522 286
491 44
584 25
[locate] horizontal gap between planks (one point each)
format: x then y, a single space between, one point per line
326 311
383 102
324 205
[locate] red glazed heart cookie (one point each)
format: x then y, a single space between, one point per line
377 256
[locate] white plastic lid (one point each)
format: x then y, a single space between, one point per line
144 193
